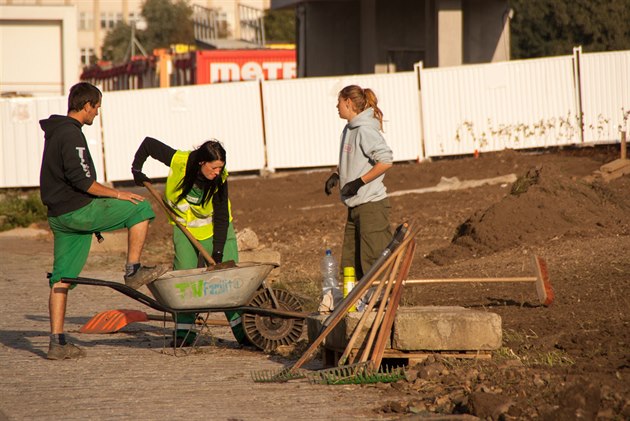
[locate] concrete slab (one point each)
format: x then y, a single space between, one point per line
446 329
421 329
341 334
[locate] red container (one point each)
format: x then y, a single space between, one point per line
235 65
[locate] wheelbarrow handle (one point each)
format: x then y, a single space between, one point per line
171 213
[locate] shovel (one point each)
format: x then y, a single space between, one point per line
111 321
212 265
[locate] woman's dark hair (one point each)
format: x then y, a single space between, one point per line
211 150
81 94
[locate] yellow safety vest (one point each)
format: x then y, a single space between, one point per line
196 218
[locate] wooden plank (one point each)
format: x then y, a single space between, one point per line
620 172
615 165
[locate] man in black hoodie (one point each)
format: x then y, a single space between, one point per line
79 206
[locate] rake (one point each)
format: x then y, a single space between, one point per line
544 290
402 239
275 376
359 373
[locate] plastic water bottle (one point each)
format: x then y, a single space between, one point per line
329 273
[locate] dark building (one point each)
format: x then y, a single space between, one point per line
336 37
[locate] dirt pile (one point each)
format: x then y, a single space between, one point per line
487 390
543 205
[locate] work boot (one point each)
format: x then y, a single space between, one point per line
142 275
64 352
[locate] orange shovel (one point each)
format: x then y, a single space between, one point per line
111 321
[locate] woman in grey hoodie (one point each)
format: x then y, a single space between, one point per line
364 157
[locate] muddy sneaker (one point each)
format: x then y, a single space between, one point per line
64 352
144 275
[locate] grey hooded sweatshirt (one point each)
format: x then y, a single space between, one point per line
362 146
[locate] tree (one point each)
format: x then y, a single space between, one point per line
117 42
553 27
280 26
167 23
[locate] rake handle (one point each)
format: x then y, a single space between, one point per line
390 314
544 290
339 312
466 280
346 357
187 233
378 318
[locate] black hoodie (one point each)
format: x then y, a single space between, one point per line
67 167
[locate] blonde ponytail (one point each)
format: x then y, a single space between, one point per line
362 99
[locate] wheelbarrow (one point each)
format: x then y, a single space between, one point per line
270 317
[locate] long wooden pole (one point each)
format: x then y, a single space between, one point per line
357 331
378 319
354 295
392 307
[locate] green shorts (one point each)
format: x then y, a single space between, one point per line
73 231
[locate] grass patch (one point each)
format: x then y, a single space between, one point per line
551 359
20 209
504 354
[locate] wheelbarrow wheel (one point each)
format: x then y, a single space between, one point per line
269 332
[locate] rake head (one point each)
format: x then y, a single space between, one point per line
277 376
360 373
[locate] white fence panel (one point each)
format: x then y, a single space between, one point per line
183 118
605 94
489 107
520 104
22 140
303 127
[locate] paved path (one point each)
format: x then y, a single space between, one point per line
126 375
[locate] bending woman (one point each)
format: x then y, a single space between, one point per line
197 190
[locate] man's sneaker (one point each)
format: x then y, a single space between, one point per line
144 275
63 352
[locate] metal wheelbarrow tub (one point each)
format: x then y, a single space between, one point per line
200 288
270 318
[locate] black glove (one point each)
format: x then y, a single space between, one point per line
351 188
332 181
217 256
139 177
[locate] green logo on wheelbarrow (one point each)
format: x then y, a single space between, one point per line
204 288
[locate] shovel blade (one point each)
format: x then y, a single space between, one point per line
111 321
229 264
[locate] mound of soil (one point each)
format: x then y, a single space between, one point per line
543 205
566 361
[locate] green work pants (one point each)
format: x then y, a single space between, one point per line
366 235
187 257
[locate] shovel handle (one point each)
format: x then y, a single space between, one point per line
172 215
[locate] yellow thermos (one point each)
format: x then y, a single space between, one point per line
348 283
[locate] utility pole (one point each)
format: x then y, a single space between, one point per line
131 51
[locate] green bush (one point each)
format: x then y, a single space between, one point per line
20 209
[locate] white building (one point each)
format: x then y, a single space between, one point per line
31 37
